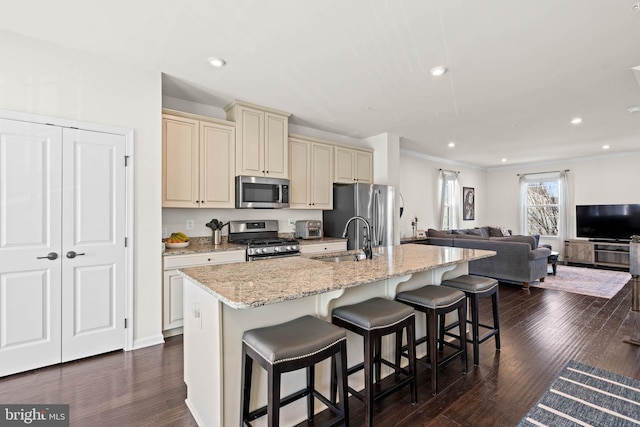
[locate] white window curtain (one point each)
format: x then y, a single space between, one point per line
448 199
563 212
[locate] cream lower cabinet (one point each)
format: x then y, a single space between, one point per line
318 248
353 165
311 171
261 140
198 161
172 312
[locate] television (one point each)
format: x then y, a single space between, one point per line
608 222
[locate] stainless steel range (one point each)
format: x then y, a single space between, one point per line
261 240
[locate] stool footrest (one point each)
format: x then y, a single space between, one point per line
384 393
259 412
492 331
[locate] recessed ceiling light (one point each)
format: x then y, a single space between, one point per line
636 7
634 109
217 62
451 144
438 71
576 120
606 147
504 159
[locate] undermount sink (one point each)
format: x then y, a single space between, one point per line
350 257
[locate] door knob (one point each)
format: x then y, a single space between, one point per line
51 256
72 254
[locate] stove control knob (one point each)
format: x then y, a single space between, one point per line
276 249
258 251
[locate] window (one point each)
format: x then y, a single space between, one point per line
543 204
449 204
543 208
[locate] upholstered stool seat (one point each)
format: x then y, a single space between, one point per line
436 302
475 288
297 344
373 319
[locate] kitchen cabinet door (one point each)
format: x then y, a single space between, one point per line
198 162
311 171
172 301
353 165
300 190
322 174
262 145
217 166
180 162
276 151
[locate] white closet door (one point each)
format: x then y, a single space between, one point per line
30 217
93 230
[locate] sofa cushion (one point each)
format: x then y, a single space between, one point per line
524 239
437 233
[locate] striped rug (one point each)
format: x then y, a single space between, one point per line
586 396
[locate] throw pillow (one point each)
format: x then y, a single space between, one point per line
505 231
482 231
461 231
495 232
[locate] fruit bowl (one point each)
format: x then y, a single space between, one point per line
177 245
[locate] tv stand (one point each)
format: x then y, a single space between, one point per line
603 253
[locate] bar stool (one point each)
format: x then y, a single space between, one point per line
475 288
372 319
297 344
436 301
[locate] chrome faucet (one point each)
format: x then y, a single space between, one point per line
366 240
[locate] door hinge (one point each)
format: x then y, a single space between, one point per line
125 323
126 242
126 161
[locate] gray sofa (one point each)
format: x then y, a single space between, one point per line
518 259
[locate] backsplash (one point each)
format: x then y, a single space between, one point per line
175 219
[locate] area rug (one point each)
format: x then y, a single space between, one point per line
587 396
585 281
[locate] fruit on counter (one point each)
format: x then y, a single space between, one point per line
178 238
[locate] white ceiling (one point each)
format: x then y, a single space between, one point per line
518 71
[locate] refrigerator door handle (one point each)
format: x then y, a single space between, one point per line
377 216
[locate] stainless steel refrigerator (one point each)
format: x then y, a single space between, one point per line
375 203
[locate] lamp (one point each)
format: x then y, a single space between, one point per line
634 269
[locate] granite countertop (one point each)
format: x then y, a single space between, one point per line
254 284
203 244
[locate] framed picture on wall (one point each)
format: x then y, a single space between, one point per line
468 203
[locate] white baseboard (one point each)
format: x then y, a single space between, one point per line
148 341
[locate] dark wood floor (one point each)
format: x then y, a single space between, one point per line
541 331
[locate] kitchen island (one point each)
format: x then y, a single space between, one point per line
222 301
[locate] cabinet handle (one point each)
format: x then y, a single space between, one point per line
51 256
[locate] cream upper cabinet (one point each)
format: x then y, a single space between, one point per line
261 140
198 161
311 172
353 165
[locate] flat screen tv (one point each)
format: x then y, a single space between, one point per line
608 222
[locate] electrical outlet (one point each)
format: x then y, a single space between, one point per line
189 224
164 233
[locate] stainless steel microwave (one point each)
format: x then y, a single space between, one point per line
261 192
